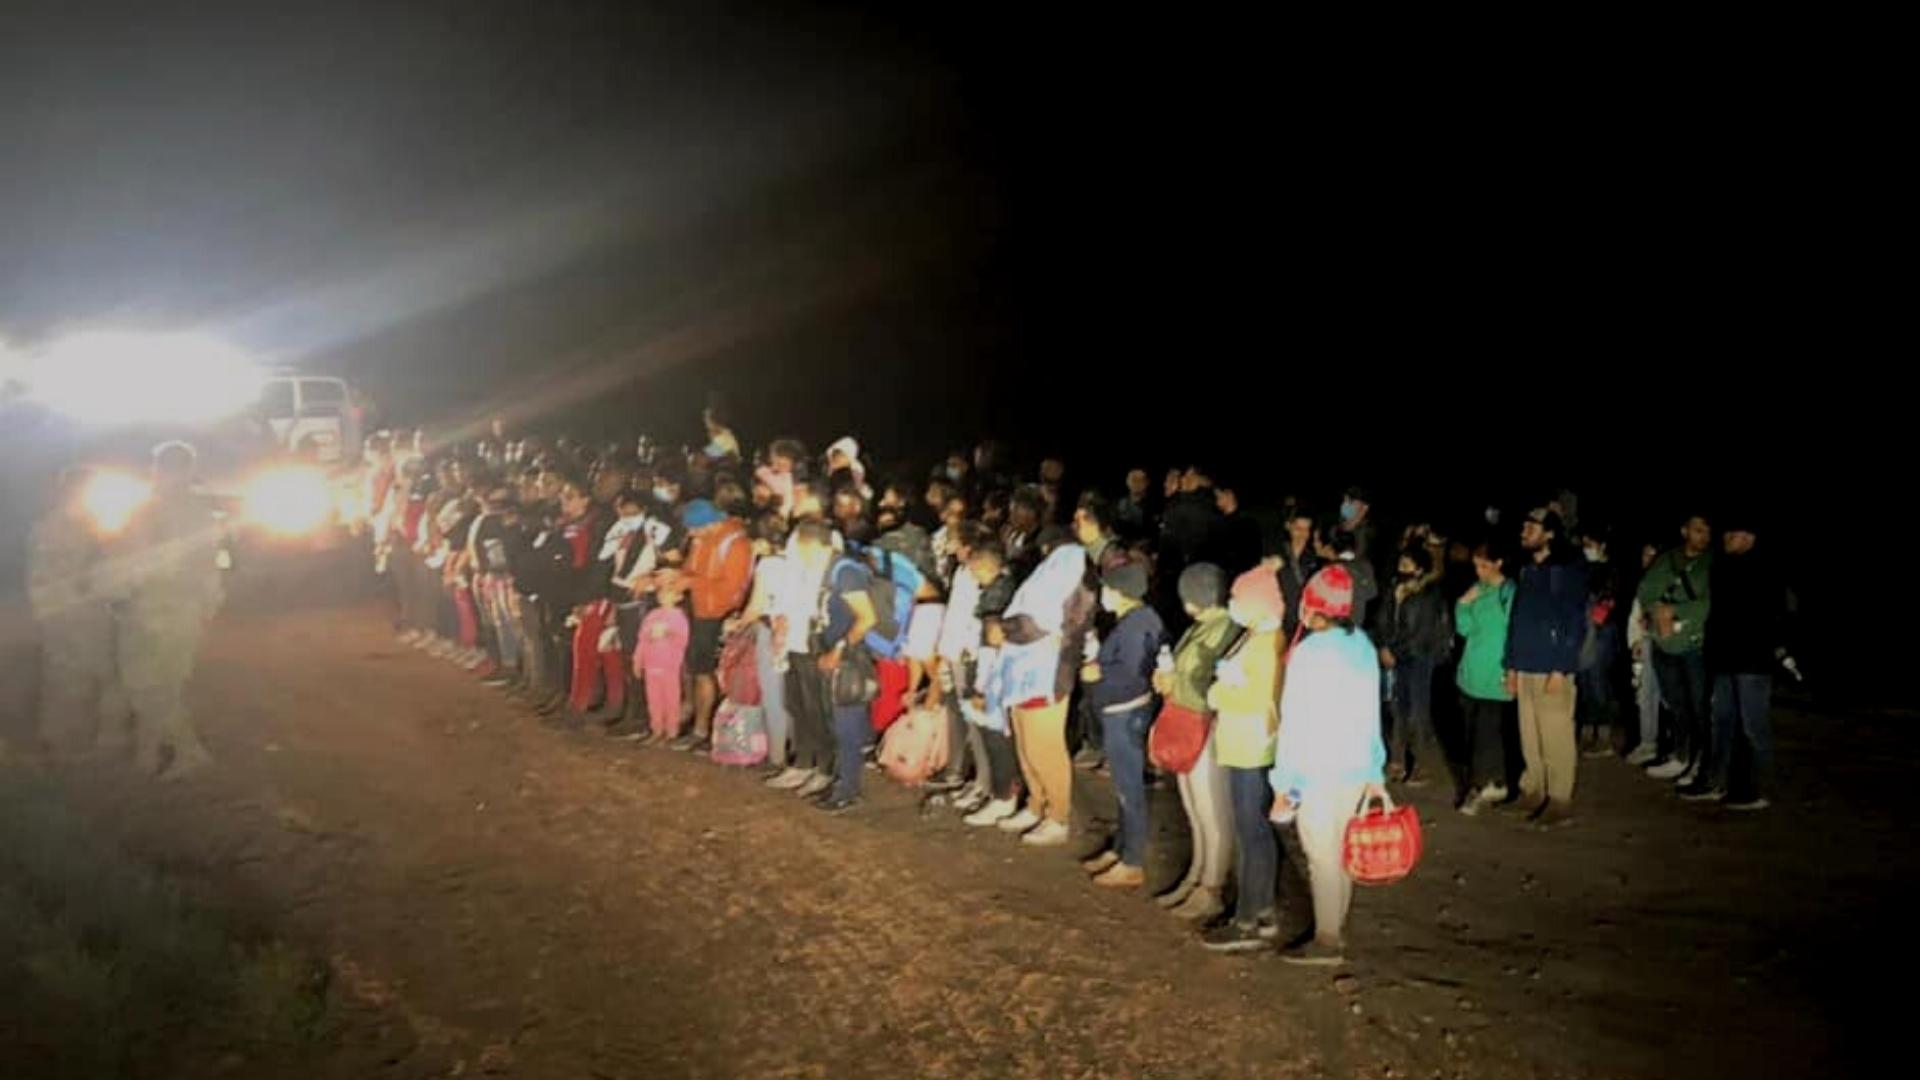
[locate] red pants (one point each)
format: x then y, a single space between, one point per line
886 708
593 664
469 617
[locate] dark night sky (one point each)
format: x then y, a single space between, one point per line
1310 258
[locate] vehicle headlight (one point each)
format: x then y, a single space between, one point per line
112 498
291 501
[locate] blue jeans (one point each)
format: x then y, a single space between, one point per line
1124 737
1258 849
852 728
1741 705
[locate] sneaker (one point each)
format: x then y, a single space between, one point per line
1236 937
1089 758
817 785
1200 907
1313 953
1666 769
1642 755
1177 895
788 779
1121 876
1687 779
1047 834
1020 822
1553 815
497 681
836 807
1754 803
406 637
1472 805
995 812
685 742
1494 794
1701 791
1100 863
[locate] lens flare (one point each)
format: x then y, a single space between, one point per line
293 500
111 499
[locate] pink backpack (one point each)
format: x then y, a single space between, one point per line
916 746
739 734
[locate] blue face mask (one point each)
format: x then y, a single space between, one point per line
1348 510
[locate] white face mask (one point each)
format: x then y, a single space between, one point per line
1595 555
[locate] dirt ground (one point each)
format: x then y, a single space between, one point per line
498 897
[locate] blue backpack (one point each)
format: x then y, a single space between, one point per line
896 581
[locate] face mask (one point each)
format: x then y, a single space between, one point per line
955 474
1594 555
631 519
662 495
1493 516
1409 576
1347 511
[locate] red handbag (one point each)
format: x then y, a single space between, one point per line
1382 843
1178 738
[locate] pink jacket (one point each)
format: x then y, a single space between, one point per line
663 640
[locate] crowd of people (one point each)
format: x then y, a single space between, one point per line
791 611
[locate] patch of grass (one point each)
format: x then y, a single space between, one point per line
107 969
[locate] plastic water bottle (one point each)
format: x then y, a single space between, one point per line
1164 662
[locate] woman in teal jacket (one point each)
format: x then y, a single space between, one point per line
1481 617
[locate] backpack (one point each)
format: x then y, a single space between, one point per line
916 747
892 607
739 670
739 734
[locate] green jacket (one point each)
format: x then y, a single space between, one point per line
1194 658
1674 580
1483 623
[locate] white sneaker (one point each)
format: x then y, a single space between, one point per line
816 783
790 779
1748 804
1493 793
1642 755
1047 834
993 813
1666 770
407 637
1020 822
1691 774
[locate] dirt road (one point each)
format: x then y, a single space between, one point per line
503 898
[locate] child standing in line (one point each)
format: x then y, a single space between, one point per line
660 657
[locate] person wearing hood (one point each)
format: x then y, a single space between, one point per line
1329 755
1120 691
844 454
1203 788
1243 696
718 575
1040 638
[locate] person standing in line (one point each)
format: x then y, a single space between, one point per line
1329 755
1039 638
1200 895
1677 597
1481 617
1415 637
1545 629
1120 691
1747 631
1244 697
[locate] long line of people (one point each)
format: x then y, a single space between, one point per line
784 612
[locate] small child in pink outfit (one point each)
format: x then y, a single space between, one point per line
661 654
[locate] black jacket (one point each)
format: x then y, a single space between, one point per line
1750 617
1421 626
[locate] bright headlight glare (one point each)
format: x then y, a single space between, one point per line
112 498
292 501
119 378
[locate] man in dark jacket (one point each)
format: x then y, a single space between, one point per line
1747 630
1543 654
1415 634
